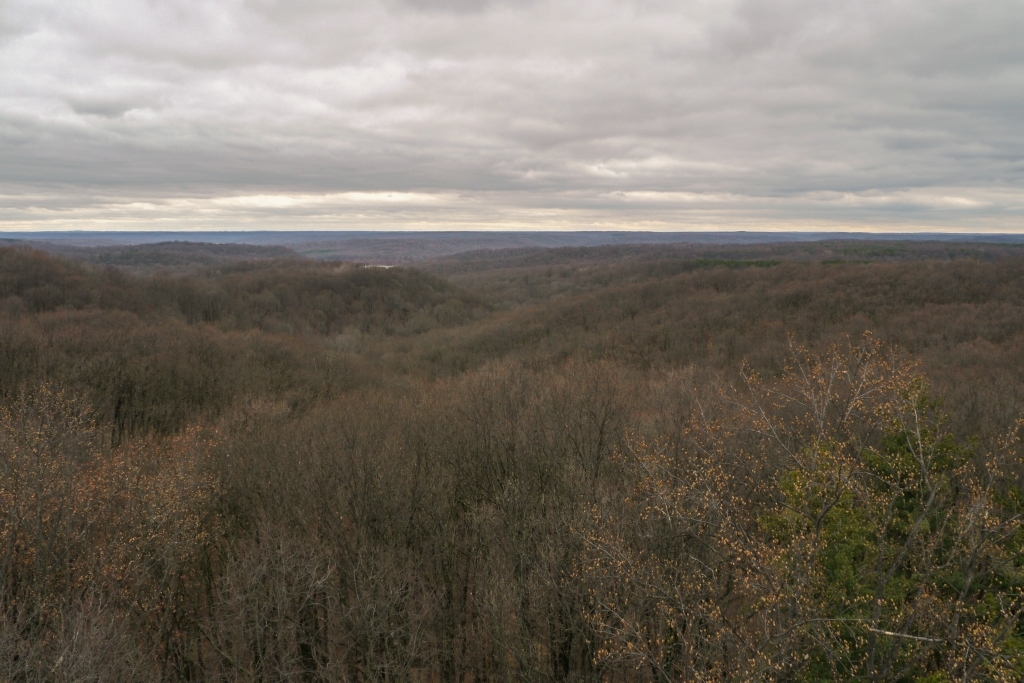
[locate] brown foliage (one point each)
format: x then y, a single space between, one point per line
579 466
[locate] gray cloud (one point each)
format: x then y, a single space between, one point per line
486 113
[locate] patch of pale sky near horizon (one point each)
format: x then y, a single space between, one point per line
905 211
724 113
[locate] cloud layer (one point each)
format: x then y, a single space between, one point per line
391 114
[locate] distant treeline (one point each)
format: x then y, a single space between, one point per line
772 463
291 295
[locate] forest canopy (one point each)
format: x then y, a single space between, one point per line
629 463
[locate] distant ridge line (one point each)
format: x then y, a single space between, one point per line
500 239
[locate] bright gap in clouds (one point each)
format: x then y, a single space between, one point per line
478 114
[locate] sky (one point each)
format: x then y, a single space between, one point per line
527 115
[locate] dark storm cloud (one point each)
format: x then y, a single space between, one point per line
491 113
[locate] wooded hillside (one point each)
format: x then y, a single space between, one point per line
628 463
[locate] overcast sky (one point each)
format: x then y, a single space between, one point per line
532 114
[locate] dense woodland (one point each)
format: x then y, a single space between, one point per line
787 462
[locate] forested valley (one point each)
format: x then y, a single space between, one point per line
784 462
